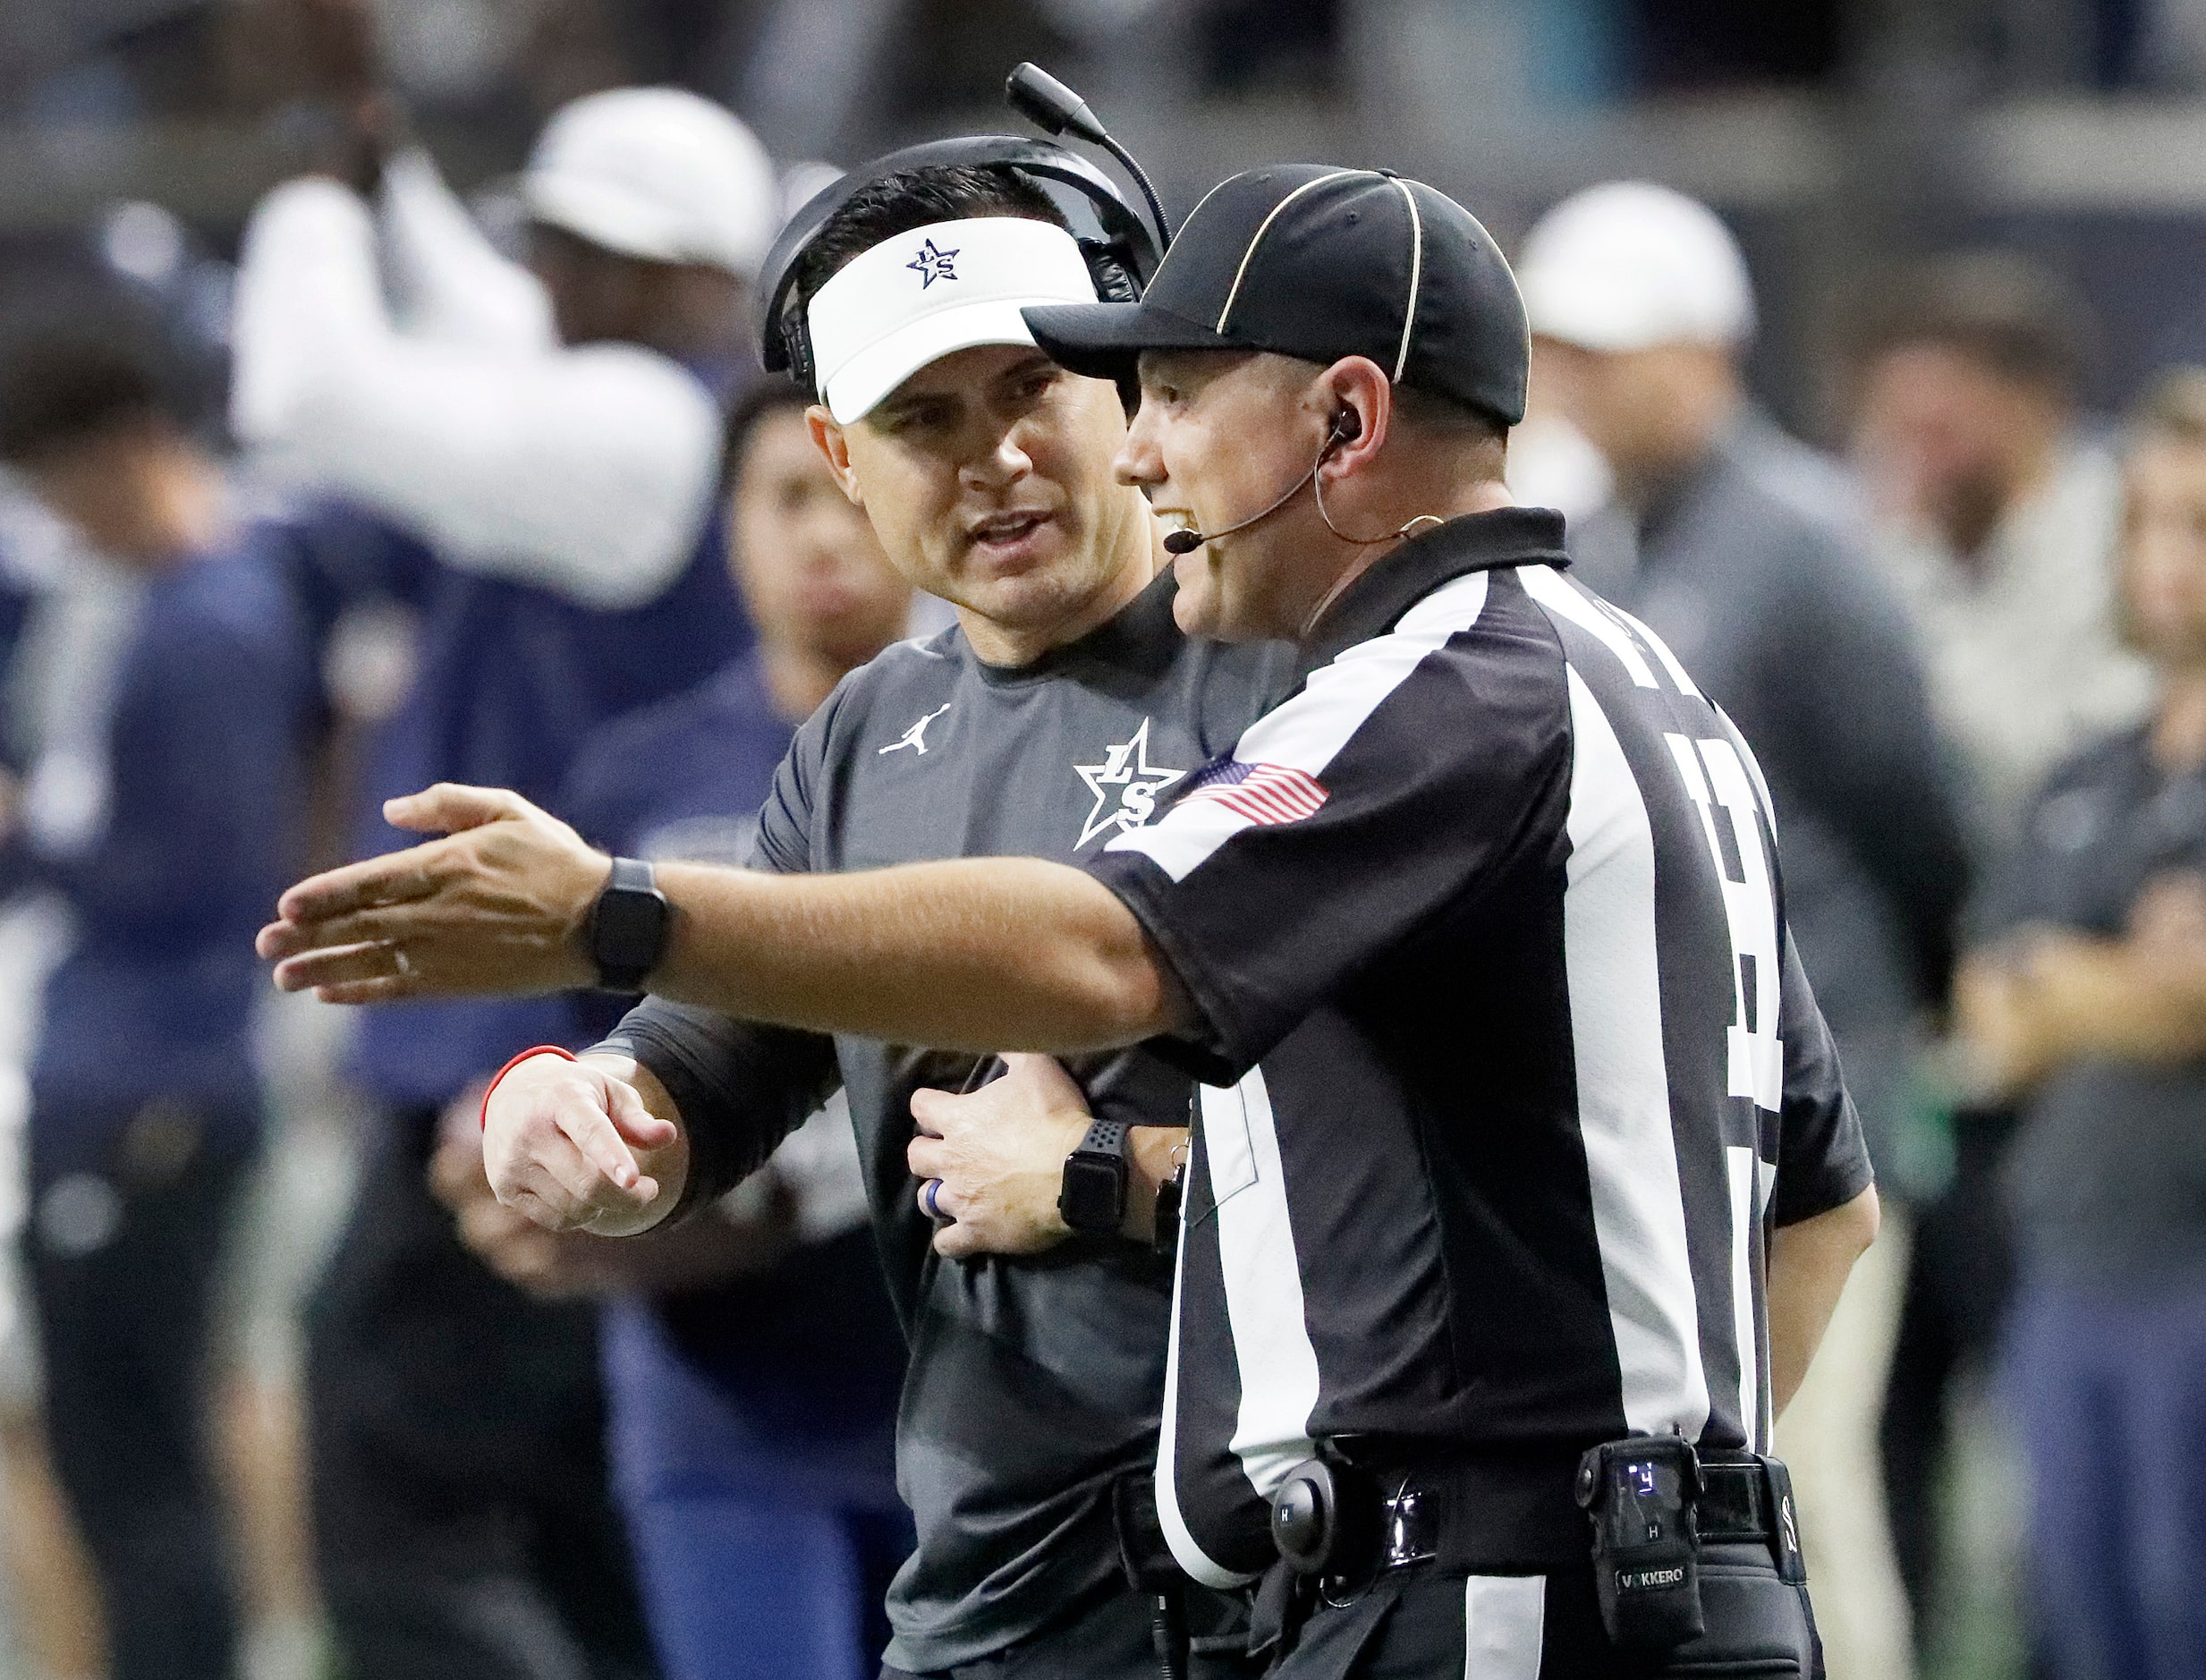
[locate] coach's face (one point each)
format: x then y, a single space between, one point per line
988 475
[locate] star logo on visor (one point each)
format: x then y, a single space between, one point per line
933 264
1125 786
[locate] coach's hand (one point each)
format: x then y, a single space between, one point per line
576 1146
502 905
999 1153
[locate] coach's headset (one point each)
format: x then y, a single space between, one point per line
1121 255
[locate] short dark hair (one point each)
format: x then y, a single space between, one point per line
770 396
71 371
913 198
1445 417
1997 307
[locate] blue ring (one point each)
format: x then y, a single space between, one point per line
928 1192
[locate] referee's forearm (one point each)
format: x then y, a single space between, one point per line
980 954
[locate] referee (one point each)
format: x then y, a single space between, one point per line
1494 1279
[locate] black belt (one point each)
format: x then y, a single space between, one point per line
1515 1514
1500 1513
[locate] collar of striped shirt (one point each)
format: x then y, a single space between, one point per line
1470 542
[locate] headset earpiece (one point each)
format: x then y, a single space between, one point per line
1347 427
1112 274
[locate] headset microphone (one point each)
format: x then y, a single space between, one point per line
1347 427
1055 108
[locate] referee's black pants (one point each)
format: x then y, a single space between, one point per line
463 1526
1427 1624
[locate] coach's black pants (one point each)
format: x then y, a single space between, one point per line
463 1526
1109 1639
1424 1624
128 1215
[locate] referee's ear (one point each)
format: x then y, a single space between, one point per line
832 443
1358 410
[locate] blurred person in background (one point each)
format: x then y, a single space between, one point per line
2085 1004
1732 542
160 710
1997 517
1737 545
752 1359
1996 514
553 440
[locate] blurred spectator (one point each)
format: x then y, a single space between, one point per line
1733 543
553 440
1996 522
1736 545
2087 1005
159 705
1998 515
753 1456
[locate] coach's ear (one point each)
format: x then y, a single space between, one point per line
828 436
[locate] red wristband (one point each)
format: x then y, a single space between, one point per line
534 1049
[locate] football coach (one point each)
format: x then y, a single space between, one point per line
1494 1275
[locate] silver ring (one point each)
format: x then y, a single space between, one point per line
406 966
928 1192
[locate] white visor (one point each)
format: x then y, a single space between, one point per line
923 294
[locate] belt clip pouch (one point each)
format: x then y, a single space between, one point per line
1328 1518
1792 1564
1638 1495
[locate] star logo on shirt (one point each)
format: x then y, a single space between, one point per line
1125 786
933 264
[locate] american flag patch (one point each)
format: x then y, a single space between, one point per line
1263 793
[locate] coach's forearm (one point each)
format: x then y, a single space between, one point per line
992 955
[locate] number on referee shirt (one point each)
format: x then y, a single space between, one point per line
1714 776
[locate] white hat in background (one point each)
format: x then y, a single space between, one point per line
658 174
890 310
1630 265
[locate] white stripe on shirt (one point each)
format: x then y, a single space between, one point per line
1565 600
1278 1363
1308 730
1615 983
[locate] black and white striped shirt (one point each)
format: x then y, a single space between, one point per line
1494 898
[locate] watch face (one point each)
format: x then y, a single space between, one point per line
1094 1194
630 932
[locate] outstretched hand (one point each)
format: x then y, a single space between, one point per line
501 905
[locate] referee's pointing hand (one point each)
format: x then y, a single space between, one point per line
499 905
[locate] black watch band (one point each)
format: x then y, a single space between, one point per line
1092 1198
628 927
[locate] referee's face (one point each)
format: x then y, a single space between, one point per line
988 475
1221 437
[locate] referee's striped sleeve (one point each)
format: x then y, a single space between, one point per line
1334 829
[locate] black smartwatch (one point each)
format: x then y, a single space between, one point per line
628 927
1093 1196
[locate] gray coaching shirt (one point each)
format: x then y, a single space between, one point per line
1034 1382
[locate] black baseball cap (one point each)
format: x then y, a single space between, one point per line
1319 262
